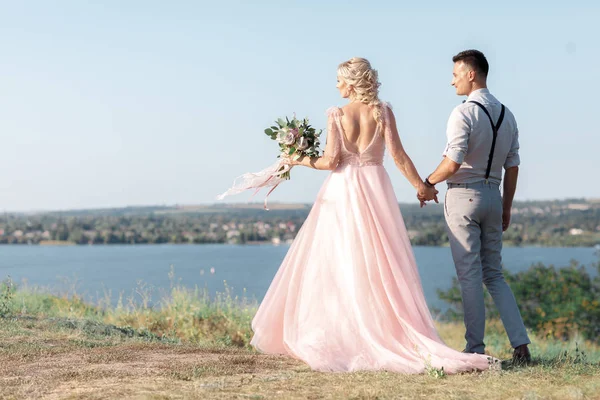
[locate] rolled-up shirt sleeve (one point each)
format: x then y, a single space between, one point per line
513 159
458 131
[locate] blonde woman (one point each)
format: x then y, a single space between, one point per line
348 295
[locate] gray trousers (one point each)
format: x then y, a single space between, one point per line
474 221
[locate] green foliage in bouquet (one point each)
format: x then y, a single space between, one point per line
296 138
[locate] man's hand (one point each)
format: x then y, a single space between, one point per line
426 193
505 219
510 186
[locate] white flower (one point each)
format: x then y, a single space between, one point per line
302 143
281 134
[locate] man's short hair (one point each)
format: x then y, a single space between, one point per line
474 59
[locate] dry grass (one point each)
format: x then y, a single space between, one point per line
62 359
193 346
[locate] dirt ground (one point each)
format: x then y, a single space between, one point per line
46 359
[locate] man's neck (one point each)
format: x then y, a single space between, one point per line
477 86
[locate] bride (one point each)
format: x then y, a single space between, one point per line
348 295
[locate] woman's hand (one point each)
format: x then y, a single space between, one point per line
426 193
289 160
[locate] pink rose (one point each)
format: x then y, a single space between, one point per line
289 139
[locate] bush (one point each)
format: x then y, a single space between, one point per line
554 302
7 292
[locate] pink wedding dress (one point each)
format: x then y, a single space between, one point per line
348 295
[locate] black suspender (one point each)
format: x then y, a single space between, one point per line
495 132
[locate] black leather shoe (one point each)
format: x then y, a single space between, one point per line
470 352
521 355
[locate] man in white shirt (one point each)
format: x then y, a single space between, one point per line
482 139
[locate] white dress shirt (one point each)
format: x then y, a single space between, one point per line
470 139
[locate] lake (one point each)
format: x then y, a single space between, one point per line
96 270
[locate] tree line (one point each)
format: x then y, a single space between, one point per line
547 223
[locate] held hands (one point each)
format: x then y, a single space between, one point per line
426 193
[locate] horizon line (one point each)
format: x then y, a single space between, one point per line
254 204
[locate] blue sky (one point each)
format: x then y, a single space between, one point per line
114 103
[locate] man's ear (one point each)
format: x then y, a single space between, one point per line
471 74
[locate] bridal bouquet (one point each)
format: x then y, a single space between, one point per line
296 139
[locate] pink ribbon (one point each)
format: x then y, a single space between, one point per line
268 177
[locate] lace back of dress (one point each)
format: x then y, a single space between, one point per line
373 153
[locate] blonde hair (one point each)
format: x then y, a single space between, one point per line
358 73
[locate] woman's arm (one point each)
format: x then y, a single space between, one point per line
401 159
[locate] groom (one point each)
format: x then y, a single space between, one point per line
482 139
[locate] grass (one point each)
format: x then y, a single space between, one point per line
193 346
